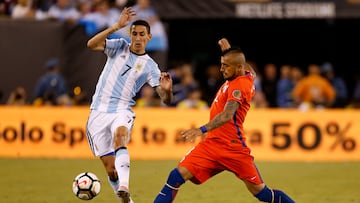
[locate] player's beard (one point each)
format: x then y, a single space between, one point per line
229 78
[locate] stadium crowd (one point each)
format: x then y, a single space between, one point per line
94 15
277 86
284 86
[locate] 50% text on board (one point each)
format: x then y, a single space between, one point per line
308 136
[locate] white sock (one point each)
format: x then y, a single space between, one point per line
122 166
114 185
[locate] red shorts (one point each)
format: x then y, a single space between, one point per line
211 157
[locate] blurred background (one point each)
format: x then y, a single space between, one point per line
296 34
303 126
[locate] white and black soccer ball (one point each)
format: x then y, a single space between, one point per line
86 186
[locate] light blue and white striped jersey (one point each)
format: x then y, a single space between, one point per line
122 77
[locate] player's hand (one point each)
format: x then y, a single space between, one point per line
166 81
190 135
125 17
224 44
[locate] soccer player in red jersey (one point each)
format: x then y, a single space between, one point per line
224 146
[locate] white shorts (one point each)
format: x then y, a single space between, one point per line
101 127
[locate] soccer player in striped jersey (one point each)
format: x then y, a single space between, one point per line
111 118
224 146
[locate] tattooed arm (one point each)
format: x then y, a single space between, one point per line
225 116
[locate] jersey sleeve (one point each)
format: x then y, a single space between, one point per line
154 75
241 90
112 46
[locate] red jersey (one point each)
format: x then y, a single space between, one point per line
241 90
224 148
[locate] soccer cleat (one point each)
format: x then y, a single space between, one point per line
124 195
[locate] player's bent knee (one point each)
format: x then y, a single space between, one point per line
185 173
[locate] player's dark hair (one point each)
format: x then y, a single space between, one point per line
232 50
143 23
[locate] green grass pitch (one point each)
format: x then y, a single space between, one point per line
49 181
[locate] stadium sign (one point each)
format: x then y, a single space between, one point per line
286 10
275 9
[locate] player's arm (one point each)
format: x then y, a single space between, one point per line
164 90
98 41
225 116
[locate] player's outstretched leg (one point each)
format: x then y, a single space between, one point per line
273 196
171 187
122 165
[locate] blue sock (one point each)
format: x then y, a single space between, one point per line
281 197
273 196
170 189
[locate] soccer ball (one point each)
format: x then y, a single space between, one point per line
86 186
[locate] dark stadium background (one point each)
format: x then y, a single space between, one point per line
194 28
296 41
